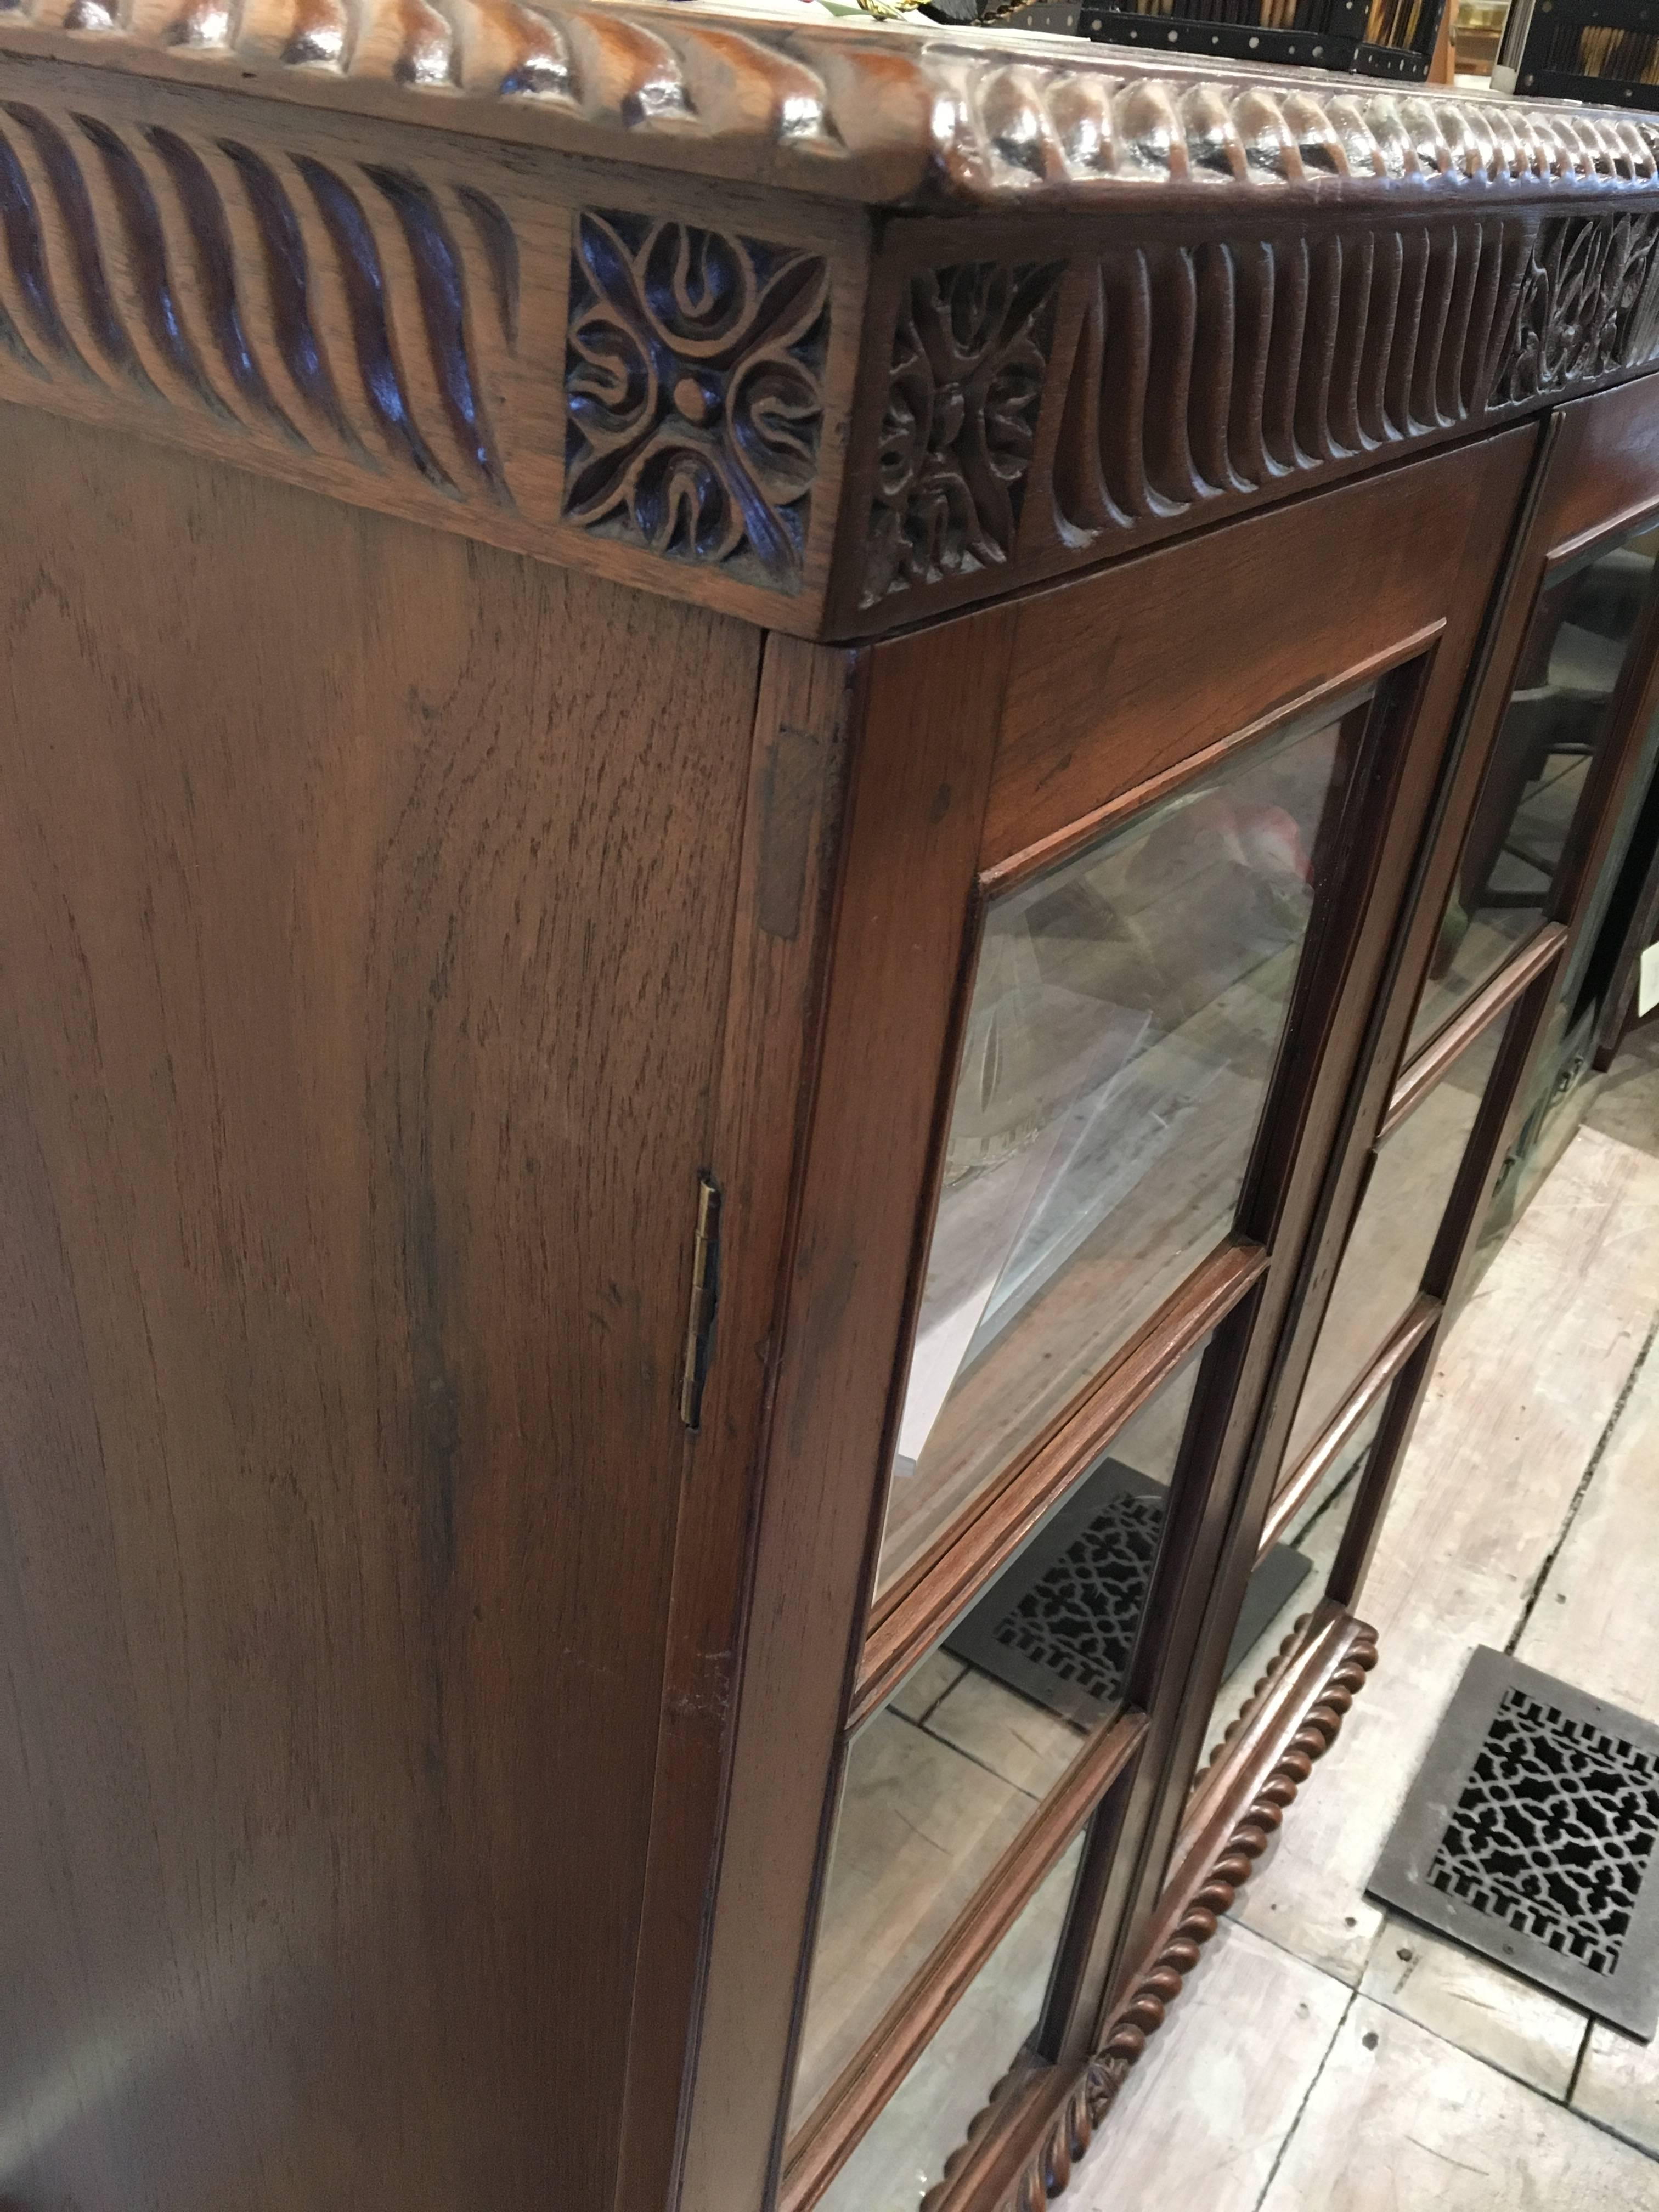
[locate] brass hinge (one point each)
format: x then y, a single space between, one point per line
705 1295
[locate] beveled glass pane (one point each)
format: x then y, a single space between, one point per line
1126 1017
1393 1236
1290 1579
1558 720
942 1778
928 2115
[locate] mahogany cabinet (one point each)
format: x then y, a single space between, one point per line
794 817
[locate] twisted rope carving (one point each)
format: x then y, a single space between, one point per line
1252 1704
1074 2127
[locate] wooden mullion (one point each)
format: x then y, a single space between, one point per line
1322 985
1590 836
1447 1271
910 1620
828 2137
1448 1044
1200 1498
1317 1460
1376 1483
1387 850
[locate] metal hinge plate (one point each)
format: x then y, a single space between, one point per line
705 1294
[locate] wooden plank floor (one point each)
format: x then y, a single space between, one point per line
1344 2059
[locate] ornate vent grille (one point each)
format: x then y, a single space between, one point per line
1080 1621
1531 1835
1060 1624
1555 1830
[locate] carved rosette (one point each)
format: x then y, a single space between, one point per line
694 391
971 353
1048 2171
1587 305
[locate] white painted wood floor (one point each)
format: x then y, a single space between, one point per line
1328 2056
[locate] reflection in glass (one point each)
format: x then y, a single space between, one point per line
1558 720
942 1778
928 2116
1127 1012
1289 1579
1393 1236
1547 1120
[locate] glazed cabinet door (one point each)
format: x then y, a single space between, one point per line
1124 872
1511 958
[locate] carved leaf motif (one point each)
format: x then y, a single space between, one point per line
970 352
694 392
1586 304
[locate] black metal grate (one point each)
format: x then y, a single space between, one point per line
1555 1830
1530 1835
1080 1620
1059 1625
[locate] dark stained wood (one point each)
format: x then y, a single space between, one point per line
1098 705
1137 382
922 762
367 903
787 885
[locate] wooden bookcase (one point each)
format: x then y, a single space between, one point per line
789 806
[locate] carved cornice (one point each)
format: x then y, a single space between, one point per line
898 116
1211 369
1074 2125
763 401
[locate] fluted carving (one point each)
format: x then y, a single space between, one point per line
118 271
1218 370
839 108
1074 2127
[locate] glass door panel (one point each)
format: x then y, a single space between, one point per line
1558 719
1126 1017
928 2115
1393 1236
942 1778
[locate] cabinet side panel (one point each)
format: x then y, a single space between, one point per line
365 907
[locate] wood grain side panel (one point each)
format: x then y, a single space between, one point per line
365 899
928 717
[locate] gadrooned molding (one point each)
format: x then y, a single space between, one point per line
894 115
